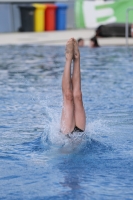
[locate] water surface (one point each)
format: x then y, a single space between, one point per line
36 160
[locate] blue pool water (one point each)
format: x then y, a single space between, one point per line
36 161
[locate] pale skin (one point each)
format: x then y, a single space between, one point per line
73 113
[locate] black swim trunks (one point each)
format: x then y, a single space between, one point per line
76 129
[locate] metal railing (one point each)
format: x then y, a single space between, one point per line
126 25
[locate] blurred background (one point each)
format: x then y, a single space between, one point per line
41 15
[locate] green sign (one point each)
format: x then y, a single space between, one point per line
93 13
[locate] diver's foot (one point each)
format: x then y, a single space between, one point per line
76 50
69 50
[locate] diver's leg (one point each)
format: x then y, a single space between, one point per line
79 112
67 118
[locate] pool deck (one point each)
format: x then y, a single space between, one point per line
58 38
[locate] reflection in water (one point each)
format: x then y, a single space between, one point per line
72 182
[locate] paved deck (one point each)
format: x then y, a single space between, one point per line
57 38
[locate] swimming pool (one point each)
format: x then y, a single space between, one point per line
36 161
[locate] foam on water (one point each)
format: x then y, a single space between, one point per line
55 141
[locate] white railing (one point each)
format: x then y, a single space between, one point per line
126 24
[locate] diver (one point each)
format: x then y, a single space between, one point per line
93 42
80 42
73 118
